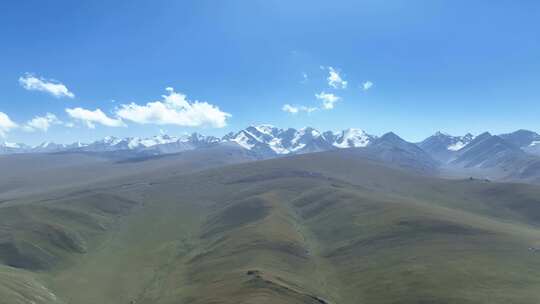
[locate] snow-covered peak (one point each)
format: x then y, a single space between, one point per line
441 141
266 129
458 145
111 140
310 132
260 133
292 141
133 142
352 138
157 140
460 142
244 139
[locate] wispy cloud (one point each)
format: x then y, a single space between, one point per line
328 100
174 109
41 123
91 118
335 80
293 109
367 85
55 88
289 109
6 124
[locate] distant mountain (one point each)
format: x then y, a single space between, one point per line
521 138
391 148
513 156
162 144
260 139
9 147
166 145
351 138
108 143
488 151
443 147
528 141
271 141
265 140
48 146
308 140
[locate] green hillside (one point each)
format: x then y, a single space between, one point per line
317 228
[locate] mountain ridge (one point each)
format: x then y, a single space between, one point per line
273 141
512 156
265 139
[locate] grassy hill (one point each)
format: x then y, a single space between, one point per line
327 227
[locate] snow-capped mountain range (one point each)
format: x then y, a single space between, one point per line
264 139
512 156
269 141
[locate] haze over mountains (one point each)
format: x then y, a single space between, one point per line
512 156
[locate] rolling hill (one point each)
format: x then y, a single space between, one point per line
329 227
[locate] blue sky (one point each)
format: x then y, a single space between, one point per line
456 66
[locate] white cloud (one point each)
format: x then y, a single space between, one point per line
55 88
90 118
296 109
6 124
290 109
175 109
328 100
335 80
367 85
42 123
